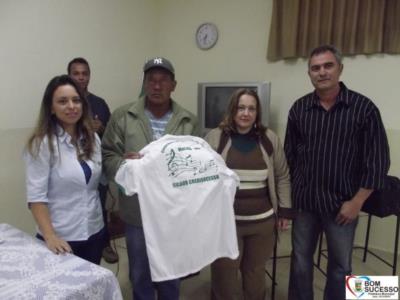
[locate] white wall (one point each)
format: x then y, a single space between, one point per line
38 38
240 55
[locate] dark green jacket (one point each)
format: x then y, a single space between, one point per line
129 130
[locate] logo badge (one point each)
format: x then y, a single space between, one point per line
372 287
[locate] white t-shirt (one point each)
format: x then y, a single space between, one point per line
186 196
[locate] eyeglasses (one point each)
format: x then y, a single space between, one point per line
250 109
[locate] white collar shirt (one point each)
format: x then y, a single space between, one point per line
59 181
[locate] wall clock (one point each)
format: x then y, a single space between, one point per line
206 36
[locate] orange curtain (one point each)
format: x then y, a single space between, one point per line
353 26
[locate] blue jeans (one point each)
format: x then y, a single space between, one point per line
340 238
139 270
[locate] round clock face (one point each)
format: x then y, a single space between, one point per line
206 35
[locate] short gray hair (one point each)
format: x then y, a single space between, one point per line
326 48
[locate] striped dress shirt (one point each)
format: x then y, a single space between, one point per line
332 154
158 125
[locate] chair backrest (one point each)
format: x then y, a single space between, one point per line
385 202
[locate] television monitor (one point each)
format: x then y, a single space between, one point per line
214 97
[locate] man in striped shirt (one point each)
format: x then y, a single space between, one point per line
338 153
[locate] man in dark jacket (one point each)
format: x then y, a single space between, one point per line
79 70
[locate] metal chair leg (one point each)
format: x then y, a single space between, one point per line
396 246
367 238
274 268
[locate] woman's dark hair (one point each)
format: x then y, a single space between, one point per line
228 124
47 122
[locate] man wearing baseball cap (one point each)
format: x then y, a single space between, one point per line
131 128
